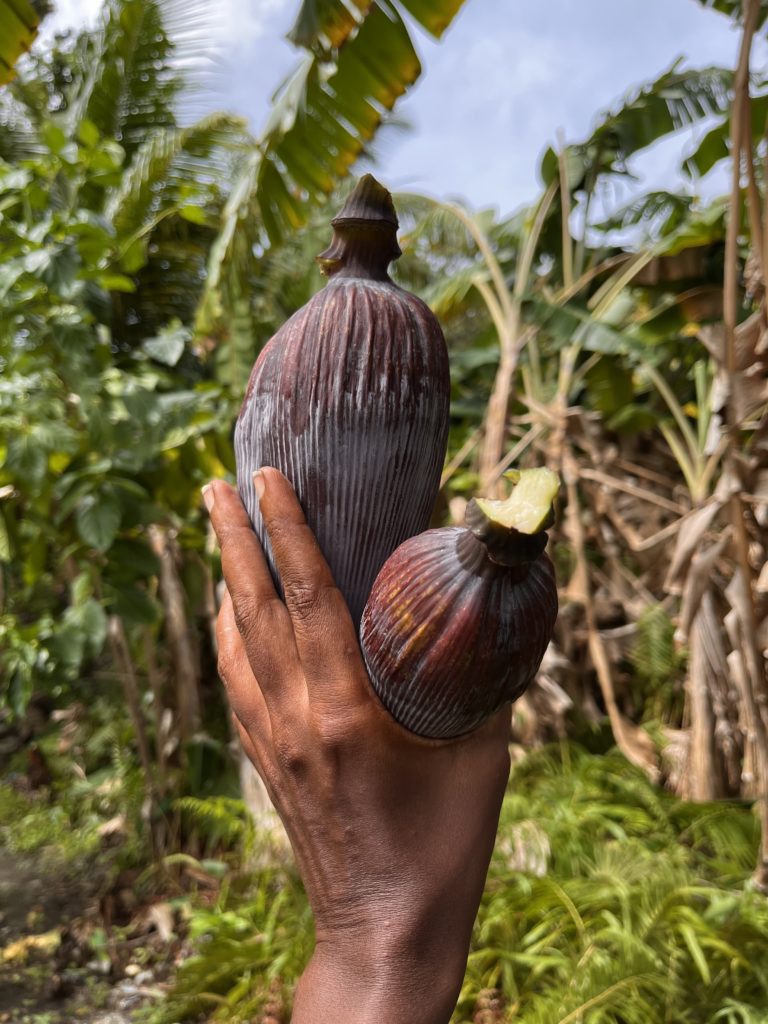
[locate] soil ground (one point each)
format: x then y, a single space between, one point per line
58 963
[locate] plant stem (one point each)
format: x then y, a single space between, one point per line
459 457
634 743
510 344
740 86
753 690
565 206
754 204
179 635
156 685
122 655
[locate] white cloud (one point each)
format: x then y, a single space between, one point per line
70 14
234 24
508 77
240 23
495 91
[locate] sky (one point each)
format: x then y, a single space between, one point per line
507 79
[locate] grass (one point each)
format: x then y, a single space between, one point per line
608 902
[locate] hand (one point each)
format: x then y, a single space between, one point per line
392 833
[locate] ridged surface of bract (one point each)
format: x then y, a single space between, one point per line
449 636
350 401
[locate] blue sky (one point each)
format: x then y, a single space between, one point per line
507 77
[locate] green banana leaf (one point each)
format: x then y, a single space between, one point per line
19 20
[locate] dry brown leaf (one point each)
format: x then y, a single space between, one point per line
739 596
21 948
161 916
698 581
750 392
760 492
674 756
619 642
489 1008
526 847
542 709
701 780
747 389
115 826
749 341
689 536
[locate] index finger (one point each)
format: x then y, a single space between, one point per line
243 691
261 616
322 624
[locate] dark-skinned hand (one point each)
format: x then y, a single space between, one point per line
392 833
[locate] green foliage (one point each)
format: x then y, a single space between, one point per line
714 146
607 900
734 8
140 274
639 912
99 437
676 99
658 665
584 315
656 660
247 943
222 821
131 88
329 22
95 782
18 26
358 61
118 347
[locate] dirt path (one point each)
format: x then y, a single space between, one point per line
51 969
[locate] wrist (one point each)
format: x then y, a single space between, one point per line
386 976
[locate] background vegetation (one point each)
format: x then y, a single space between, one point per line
144 261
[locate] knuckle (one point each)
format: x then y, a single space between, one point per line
289 756
332 735
248 617
310 603
256 618
303 601
338 729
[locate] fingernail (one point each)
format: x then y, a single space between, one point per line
208 497
258 483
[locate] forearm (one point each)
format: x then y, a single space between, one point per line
406 963
340 988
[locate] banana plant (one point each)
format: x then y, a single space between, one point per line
19 21
356 61
734 9
691 448
565 305
585 281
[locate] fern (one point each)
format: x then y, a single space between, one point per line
247 952
654 656
642 912
221 820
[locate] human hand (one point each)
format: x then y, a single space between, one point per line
392 833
